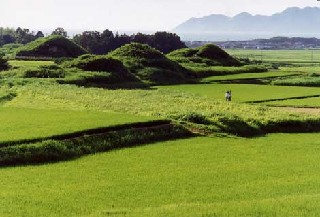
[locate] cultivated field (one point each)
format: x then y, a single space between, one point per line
247 92
25 123
275 175
280 56
155 150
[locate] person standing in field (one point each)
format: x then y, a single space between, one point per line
228 95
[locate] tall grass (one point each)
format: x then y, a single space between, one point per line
309 81
163 103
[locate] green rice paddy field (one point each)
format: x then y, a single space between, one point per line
266 75
280 56
23 123
210 175
276 175
246 92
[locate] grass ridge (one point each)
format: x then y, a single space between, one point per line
88 132
60 150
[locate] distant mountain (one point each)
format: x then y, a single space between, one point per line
292 21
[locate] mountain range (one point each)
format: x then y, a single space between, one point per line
292 21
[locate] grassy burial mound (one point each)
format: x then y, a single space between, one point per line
150 65
100 71
207 55
50 47
210 60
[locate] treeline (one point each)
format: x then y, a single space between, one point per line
103 42
97 42
18 36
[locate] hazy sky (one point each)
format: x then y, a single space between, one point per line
128 14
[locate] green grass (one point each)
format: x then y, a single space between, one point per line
150 65
10 49
275 175
279 56
248 76
206 55
22 123
308 102
245 92
302 69
308 81
29 64
206 71
164 101
181 103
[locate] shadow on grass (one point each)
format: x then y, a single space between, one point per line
50 151
283 99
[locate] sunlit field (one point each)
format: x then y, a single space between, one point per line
275 175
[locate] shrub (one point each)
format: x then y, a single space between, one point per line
99 70
97 63
3 62
50 71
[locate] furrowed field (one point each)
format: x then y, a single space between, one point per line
157 147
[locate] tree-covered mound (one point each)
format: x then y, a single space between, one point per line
208 55
53 46
102 71
150 65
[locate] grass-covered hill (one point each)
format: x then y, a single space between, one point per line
52 46
150 65
102 71
207 55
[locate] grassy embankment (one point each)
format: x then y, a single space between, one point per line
30 136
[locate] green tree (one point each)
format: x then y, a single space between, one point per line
39 34
60 31
90 40
24 36
166 42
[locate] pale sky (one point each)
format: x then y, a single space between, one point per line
128 14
